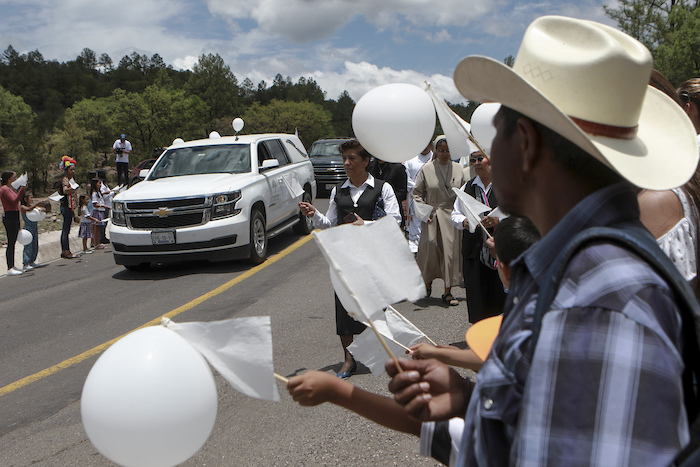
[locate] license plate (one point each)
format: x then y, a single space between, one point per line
330 186
163 238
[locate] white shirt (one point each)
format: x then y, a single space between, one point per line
413 167
391 205
126 146
106 195
97 201
459 211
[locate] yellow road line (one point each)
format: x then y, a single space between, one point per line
187 306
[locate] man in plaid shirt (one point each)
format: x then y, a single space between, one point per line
578 128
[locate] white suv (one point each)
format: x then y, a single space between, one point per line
220 198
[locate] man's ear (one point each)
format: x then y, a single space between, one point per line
529 141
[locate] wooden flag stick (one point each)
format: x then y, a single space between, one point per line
281 378
385 345
426 336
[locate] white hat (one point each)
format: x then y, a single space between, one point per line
589 83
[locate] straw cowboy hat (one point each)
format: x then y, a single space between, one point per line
589 83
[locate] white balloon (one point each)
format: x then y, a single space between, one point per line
42 215
394 122
482 125
237 124
214 134
24 237
34 215
178 141
149 400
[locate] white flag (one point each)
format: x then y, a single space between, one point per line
455 129
472 208
367 350
497 213
240 349
397 330
56 197
294 187
373 265
21 181
423 211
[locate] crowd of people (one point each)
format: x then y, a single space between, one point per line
88 210
596 361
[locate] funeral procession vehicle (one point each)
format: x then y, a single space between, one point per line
220 198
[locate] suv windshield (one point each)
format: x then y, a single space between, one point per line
232 158
325 148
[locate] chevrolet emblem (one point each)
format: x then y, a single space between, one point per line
162 212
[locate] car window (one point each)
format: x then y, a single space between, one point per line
230 158
277 151
324 148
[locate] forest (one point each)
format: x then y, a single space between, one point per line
79 107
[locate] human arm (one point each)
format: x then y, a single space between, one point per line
391 205
458 216
447 354
321 221
607 390
429 389
659 211
315 387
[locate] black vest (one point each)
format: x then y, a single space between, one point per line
471 242
365 205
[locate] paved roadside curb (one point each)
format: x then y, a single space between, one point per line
49 248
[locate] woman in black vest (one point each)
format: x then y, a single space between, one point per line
361 197
485 294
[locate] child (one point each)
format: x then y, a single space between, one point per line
31 250
86 221
516 234
437 439
98 212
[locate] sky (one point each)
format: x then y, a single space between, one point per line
352 45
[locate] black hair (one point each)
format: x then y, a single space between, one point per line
512 236
5 177
25 197
583 167
355 145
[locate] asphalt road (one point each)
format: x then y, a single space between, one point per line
53 318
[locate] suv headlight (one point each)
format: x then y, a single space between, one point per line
118 215
225 205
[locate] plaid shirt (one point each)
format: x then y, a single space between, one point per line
604 385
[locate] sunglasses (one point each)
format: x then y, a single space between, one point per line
472 160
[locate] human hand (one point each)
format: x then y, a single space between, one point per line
307 209
491 243
358 220
490 222
313 388
425 350
428 389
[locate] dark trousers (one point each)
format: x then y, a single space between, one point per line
123 170
10 220
67 220
485 294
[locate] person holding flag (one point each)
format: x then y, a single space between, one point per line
358 199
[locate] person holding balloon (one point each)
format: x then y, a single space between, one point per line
358 199
440 245
10 198
31 250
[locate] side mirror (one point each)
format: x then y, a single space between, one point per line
270 163
143 173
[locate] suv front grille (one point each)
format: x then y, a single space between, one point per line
167 214
170 222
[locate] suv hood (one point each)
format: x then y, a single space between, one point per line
185 186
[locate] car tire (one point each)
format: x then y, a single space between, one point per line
258 237
305 224
140 267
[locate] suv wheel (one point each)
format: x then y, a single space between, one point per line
258 237
305 224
